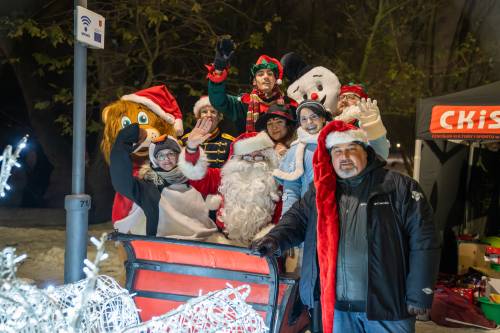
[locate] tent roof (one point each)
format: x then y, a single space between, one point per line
488 94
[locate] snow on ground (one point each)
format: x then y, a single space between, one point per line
45 250
45 263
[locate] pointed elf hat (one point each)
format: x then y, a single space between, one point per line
250 142
159 100
267 62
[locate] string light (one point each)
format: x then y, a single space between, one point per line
221 311
9 160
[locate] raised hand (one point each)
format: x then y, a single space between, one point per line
369 110
200 133
224 50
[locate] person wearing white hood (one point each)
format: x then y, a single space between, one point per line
295 171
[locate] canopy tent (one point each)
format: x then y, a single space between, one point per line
472 115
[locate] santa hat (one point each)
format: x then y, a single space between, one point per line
325 182
204 101
267 62
250 142
159 100
294 66
345 133
353 88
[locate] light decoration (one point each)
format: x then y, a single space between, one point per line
23 307
9 160
223 311
95 304
98 304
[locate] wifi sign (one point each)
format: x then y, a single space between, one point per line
90 29
86 22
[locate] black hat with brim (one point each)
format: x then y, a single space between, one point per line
275 111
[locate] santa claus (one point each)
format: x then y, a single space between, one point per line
245 194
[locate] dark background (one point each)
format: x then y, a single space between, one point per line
401 50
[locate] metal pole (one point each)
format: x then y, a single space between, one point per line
417 159
467 187
77 204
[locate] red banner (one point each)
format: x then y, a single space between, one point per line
465 122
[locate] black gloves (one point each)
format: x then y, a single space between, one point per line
266 246
224 50
129 134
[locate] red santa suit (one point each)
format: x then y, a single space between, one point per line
245 194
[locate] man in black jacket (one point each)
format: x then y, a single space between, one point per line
370 246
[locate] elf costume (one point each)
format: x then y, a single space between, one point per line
244 110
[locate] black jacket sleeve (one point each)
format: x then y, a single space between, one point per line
424 246
291 229
144 194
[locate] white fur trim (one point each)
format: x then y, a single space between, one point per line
337 138
374 129
151 105
193 172
134 222
151 150
213 201
179 128
200 104
279 81
151 155
246 146
299 165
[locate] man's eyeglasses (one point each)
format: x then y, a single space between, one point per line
313 117
163 156
349 97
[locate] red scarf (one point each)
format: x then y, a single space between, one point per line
325 181
258 104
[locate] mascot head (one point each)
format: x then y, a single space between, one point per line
310 83
154 109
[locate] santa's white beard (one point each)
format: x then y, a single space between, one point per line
250 194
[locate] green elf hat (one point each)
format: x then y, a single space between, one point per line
267 62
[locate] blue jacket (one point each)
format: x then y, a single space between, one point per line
295 171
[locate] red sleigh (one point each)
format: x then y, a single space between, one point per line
164 273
